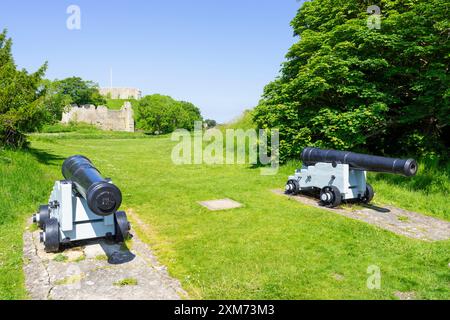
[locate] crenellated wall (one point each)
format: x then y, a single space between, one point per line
102 117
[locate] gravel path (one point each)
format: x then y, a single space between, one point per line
96 270
406 223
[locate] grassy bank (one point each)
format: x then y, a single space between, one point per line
272 248
117 104
427 192
24 184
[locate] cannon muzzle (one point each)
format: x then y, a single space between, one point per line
102 197
408 167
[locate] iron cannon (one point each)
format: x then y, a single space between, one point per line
83 206
338 176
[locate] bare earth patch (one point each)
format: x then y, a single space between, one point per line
410 224
93 271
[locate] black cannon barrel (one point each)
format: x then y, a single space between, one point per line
408 167
103 197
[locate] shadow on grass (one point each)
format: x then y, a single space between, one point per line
46 157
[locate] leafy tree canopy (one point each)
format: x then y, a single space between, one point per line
211 123
22 96
81 92
347 86
162 114
55 101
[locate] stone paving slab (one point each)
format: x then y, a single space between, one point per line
410 224
222 204
97 270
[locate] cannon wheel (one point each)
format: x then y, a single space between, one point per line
44 216
292 187
368 196
122 226
51 241
330 197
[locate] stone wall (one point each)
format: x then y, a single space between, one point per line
102 117
121 93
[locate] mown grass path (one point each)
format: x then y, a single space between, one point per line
272 248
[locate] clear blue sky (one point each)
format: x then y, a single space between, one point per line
217 54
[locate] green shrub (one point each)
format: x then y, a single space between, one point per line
81 92
22 97
71 127
162 114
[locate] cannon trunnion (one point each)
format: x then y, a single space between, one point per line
338 176
84 206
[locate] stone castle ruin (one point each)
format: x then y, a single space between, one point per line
102 117
121 93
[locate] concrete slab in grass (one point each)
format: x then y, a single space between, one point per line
222 204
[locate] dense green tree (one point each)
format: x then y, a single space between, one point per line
211 123
59 94
153 113
22 96
162 114
81 92
190 113
347 86
55 101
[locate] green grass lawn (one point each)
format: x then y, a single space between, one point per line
272 248
116 104
24 183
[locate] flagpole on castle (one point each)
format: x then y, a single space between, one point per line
111 77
